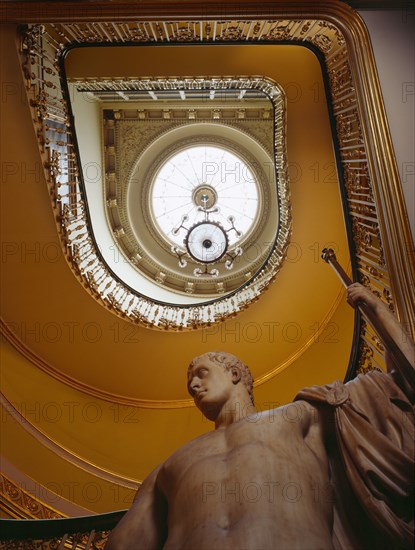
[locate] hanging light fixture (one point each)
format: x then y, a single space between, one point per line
206 242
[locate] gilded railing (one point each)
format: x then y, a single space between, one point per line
57 143
81 533
364 171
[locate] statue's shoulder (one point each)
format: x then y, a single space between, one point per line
300 415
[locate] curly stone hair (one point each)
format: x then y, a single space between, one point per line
227 361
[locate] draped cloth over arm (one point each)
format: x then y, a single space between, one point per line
374 427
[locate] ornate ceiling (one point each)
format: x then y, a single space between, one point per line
96 397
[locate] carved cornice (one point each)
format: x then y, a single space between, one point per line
139 138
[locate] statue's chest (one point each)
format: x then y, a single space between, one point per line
252 449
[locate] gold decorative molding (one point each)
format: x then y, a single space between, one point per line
63 452
18 503
16 342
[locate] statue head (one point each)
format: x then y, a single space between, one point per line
230 363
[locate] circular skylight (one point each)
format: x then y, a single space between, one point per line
200 179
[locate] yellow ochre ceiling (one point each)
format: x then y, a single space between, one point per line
73 350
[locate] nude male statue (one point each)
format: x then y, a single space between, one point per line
266 480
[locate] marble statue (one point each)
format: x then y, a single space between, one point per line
332 470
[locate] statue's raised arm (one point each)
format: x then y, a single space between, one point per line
357 293
399 347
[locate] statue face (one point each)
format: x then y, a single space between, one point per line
210 385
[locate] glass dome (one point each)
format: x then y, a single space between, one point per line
200 179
